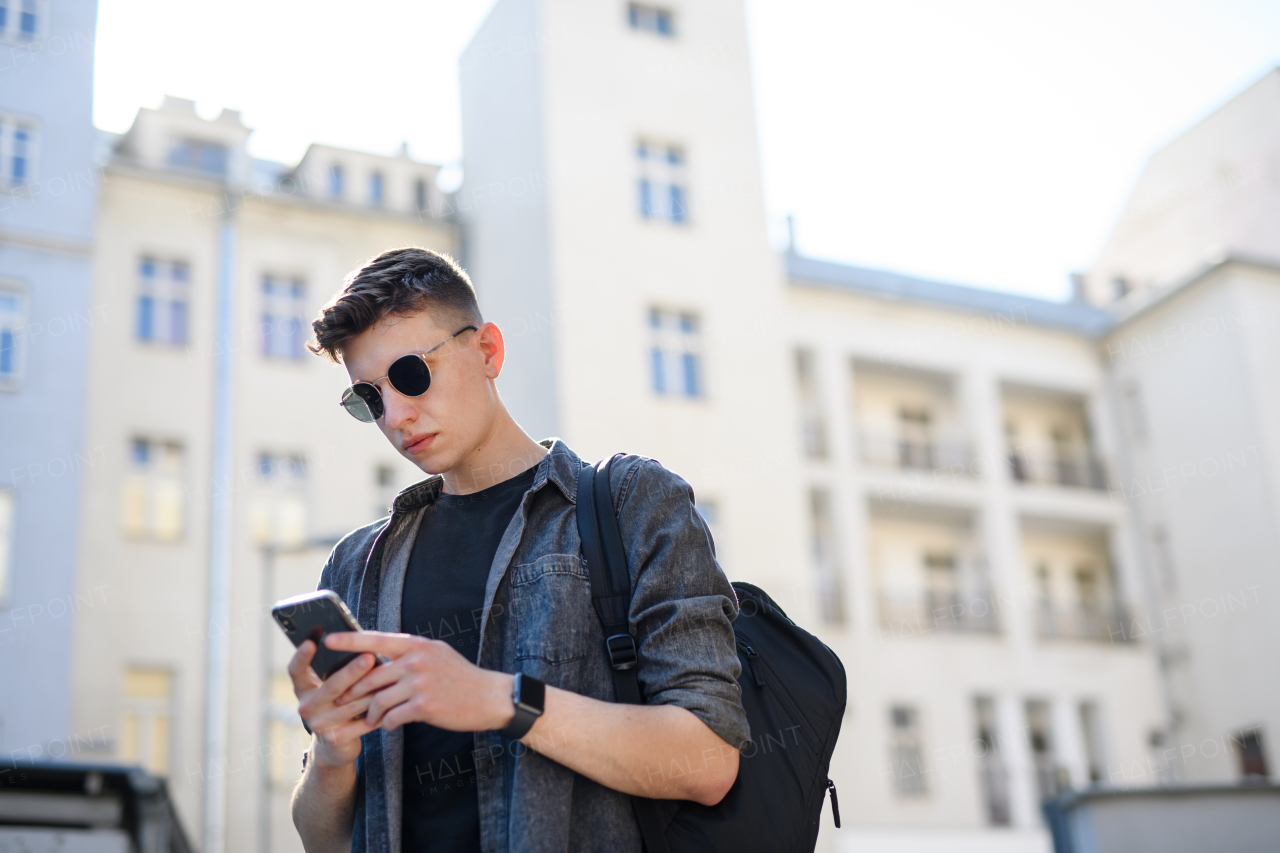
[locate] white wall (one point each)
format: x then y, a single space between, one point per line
504 204
1203 470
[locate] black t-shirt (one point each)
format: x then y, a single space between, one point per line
443 600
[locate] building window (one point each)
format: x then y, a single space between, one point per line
8 509
663 184
1047 772
1095 754
278 512
651 19
420 195
21 20
675 353
18 148
1250 754
1135 411
375 189
915 438
942 587
146 729
21 155
13 316
384 480
825 559
164 299
992 773
28 20
335 181
906 752
812 422
199 155
153 497
283 317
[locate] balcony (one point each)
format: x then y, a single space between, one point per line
886 450
953 613
1107 623
1078 469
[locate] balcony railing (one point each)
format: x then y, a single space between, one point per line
971 613
1081 469
1083 622
890 451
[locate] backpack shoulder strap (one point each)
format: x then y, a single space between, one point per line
610 579
611 595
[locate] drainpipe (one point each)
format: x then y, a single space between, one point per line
220 529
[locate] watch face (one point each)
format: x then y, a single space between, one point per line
532 693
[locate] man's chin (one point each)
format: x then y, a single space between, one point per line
433 460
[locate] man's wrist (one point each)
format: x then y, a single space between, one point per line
503 710
329 770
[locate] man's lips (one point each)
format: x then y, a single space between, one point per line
417 445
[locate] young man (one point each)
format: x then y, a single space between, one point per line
476 577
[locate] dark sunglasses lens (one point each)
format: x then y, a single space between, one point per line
409 375
364 402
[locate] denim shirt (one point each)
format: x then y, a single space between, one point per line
538 619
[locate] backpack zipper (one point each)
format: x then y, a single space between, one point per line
789 704
835 803
752 654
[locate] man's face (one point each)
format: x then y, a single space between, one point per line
440 429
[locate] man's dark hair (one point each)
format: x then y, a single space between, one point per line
401 282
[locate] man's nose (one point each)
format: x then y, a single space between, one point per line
399 408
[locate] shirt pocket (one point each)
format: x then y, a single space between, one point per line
551 603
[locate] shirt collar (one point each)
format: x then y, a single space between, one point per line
560 466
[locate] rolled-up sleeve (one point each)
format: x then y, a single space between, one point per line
682 606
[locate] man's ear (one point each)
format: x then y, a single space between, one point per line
494 348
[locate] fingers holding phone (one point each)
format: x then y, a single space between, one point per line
337 728
321 674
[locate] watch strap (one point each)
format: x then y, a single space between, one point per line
520 724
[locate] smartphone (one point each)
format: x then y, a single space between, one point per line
310 617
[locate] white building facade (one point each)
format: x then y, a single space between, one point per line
922 473
1190 274
48 202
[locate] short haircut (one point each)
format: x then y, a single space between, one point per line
401 282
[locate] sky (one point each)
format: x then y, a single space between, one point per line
986 142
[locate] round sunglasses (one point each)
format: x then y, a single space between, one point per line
409 375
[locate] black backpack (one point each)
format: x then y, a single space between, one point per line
793 690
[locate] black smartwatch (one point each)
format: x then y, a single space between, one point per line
527 695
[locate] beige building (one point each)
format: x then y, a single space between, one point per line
174 187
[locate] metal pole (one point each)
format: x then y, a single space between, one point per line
269 554
220 530
268 597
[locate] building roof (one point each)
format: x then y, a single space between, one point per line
1138 302
1076 317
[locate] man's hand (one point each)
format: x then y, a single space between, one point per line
337 728
651 751
427 681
